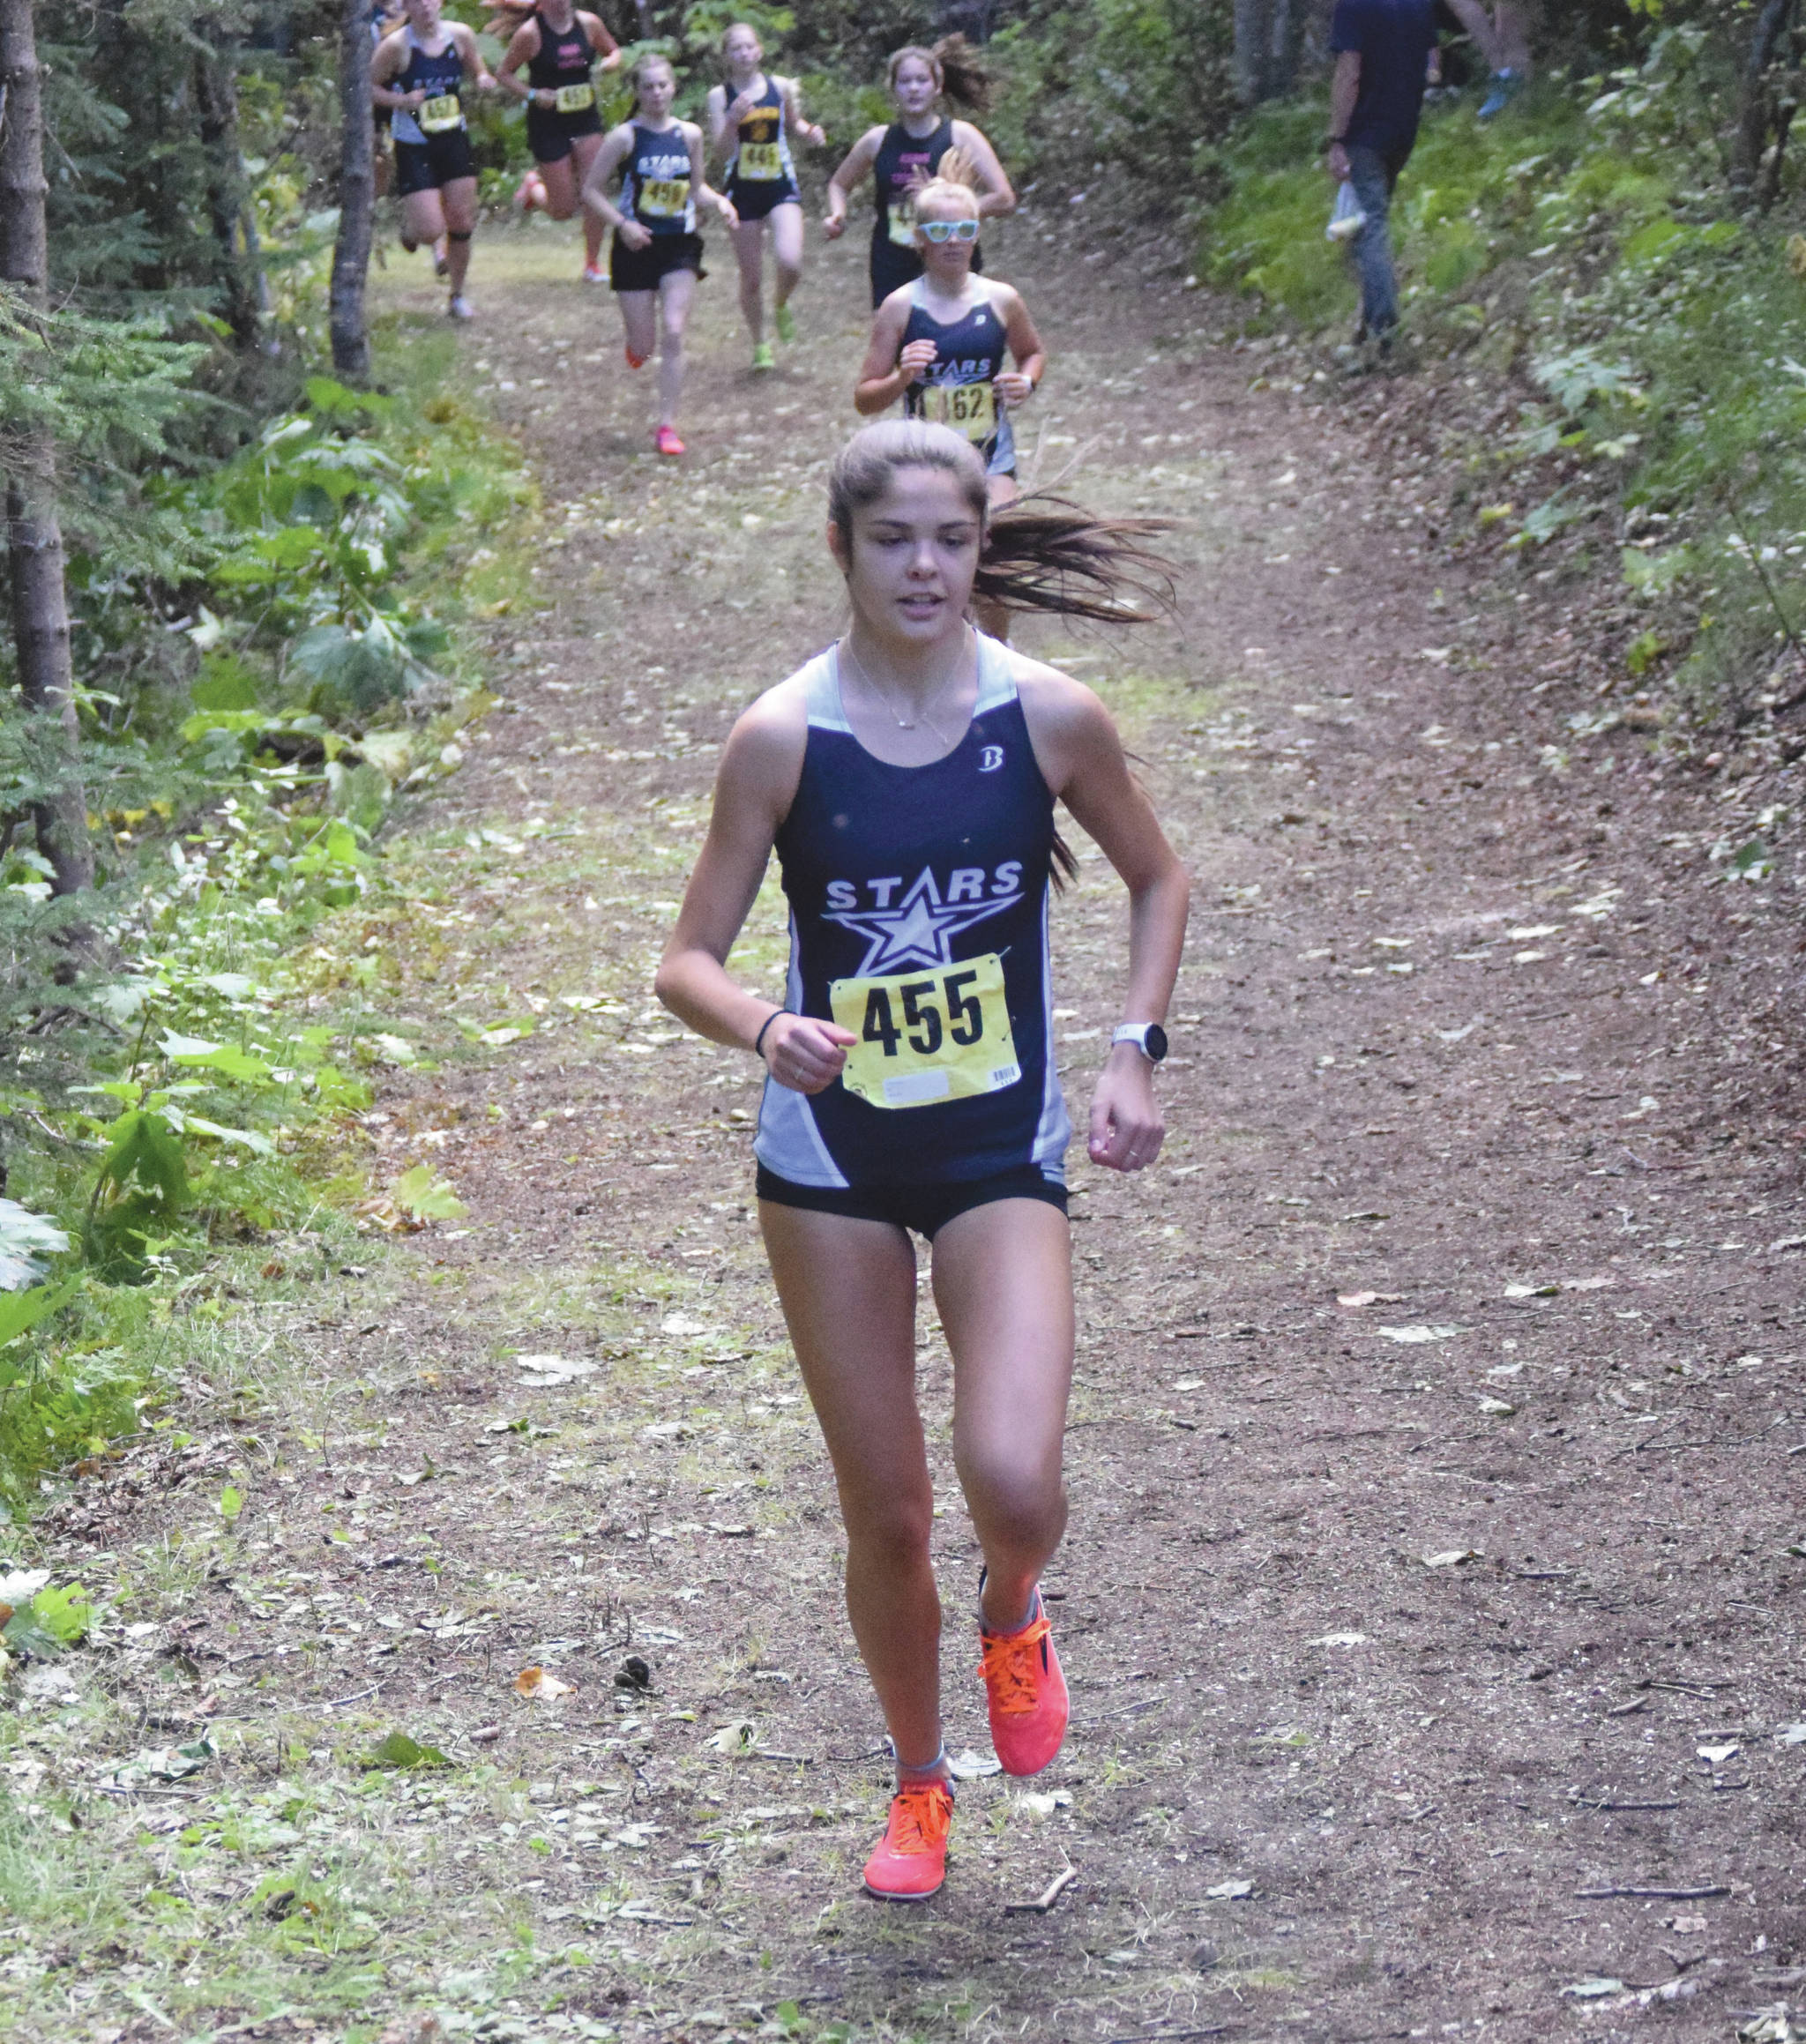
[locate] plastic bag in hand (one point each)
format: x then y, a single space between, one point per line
1348 219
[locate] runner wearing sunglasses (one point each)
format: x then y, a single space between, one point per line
903 158
941 343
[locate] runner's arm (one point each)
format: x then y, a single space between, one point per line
1344 90
715 112
473 58
706 193
858 160
810 131
760 768
889 367
385 66
996 195
1082 758
607 50
608 159
523 47
1016 386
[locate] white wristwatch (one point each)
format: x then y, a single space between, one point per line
1147 1037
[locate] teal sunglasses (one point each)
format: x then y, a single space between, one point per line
949 230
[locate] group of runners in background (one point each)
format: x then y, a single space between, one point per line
955 347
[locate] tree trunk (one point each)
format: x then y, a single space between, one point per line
1755 105
1269 38
1290 20
1254 33
34 536
228 198
357 195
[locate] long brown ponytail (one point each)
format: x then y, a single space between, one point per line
960 73
1042 553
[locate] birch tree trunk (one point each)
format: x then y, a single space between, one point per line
33 535
357 196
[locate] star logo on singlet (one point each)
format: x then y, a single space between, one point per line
918 930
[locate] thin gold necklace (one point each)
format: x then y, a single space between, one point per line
884 696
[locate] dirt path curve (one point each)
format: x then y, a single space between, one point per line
1429 1557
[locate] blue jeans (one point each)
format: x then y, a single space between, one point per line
1373 176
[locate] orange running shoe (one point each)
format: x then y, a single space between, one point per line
911 1860
667 441
1026 1693
635 362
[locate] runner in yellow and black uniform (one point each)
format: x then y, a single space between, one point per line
751 119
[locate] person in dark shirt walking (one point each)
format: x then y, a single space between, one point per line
1383 50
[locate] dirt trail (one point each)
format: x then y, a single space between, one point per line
1429 1455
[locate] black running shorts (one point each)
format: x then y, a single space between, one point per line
550 133
440 159
642 268
761 196
925 1208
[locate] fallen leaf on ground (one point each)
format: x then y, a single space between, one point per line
541 1372
1497 1408
1792 1734
739 1737
1229 1891
1044 1802
1339 1639
681 1324
1414 1335
1593 1990
1717 1755
1355 1298
1532 1291
398 1750
1451 1558
166 1764
539 1685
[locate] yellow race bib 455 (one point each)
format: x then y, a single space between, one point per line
927 1036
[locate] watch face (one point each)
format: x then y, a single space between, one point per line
1154 1042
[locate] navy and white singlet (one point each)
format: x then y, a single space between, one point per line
655 182
919 920
438 76
761 172
969 356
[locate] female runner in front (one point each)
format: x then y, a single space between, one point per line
419 73
903 157
655 263
750 121
562 50
906 778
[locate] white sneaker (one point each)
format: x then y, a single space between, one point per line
461 308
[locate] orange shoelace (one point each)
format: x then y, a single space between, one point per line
1012 1666
920 1819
